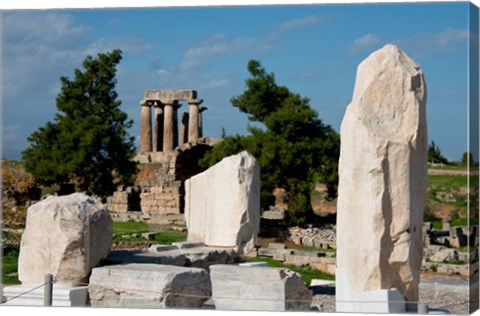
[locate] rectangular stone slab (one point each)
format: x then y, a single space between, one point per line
170 95
258 288
149 286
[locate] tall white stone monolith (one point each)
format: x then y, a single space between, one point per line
382 183
222 204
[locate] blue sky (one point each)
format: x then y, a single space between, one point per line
312 49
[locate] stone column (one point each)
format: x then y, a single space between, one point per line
158 127
200 121
146 127
175 125
184 128
193 119
168 133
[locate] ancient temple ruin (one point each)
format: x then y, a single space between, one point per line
169 154
165 104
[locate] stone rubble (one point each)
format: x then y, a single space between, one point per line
314 237
66 236
178 254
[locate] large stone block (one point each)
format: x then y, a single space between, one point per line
222 204
383 176
258 288
170 95
66 236
149 286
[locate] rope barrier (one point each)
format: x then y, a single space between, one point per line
26 292
207 297
260 298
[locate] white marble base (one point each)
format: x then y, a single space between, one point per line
380 301
254 264
62 296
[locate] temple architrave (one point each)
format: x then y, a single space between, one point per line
169 154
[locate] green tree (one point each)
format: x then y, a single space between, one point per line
466 158
87 143
291 144
435 155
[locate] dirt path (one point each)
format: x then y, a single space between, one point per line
450 172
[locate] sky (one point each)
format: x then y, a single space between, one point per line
314 50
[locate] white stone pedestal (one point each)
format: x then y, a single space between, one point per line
350 301
62 296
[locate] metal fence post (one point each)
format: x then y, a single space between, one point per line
422 308
48 291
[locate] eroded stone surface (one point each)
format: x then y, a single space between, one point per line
222 204
66 236
258 288
168 95
148 286
382 175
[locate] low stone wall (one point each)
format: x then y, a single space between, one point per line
126 200
168 219
163 198
463 270
320 260
313 237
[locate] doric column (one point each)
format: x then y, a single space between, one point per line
146 127
168 124
200 121
184 128
157 127
175 124
193 119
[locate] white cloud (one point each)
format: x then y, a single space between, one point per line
419 45
39 47
36 45
441 43
214 46
215 82
308 20
368 42
49 28
221 45
129 46
163 71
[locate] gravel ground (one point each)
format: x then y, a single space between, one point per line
444 295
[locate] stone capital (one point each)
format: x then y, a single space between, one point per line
195 101
157 104
145 102
173 103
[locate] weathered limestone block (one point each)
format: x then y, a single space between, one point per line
445 255
148 286
258 288
169 95
382 176
222 204
66 236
